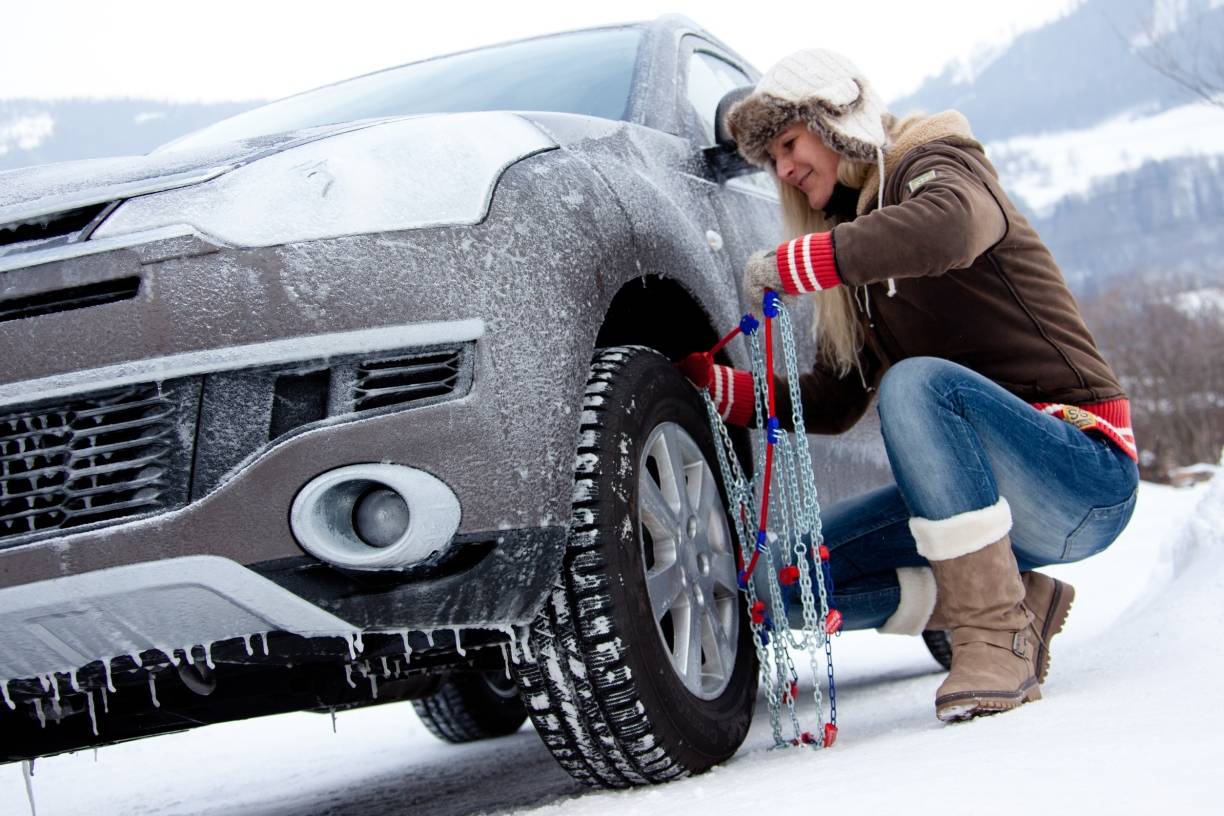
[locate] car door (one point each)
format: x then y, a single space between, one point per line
746 206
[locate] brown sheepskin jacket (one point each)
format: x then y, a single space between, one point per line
974 284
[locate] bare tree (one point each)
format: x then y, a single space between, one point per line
1165 339
1191 54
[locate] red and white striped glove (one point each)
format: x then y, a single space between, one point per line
730 388
796 267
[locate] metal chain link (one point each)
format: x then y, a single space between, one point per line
740 495
795 541
811 503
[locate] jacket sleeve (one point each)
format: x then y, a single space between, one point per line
945 218
831 404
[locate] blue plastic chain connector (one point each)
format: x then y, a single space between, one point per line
761 539
770 306
742 579
749 324
763 634
773 430
769 627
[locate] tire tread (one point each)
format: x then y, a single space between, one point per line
606 739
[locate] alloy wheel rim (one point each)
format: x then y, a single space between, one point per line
690 565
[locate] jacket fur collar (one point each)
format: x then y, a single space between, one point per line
914 131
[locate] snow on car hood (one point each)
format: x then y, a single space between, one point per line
393 175
29 192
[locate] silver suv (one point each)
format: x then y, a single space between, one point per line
365 395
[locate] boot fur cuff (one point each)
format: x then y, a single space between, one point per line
961 534
917 602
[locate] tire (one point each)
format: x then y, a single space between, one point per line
470 707
600 683
939 644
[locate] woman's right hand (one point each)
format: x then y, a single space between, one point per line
760 274
805 264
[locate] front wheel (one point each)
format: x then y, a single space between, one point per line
642 667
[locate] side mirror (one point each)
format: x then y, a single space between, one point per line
723 158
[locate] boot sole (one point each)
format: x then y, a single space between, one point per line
1055 619
965 705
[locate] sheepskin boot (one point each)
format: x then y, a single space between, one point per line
938 621
994 646
1050 601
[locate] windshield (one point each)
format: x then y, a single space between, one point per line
587 72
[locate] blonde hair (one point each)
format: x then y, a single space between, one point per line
836 328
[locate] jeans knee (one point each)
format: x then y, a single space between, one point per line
912 384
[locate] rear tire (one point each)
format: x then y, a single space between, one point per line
642 667
471 707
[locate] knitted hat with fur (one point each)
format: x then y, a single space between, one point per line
825 91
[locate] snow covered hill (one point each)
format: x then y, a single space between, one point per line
1126 726
1118 166
1073 73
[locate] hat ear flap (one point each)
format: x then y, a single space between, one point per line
756 120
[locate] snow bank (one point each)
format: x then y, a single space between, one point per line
1123 728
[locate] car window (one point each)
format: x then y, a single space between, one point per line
758 182
709 79
588 72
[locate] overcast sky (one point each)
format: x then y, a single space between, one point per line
259 49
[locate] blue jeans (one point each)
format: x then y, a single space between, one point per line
957 442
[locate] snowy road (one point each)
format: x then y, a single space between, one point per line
1129 725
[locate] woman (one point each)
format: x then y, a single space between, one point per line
1007 433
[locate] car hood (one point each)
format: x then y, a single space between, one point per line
376 175
29 193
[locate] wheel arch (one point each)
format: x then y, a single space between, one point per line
658 312
663 314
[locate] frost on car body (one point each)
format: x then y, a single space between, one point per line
193 337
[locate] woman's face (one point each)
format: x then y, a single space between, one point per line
801 159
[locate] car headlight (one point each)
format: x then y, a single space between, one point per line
422 171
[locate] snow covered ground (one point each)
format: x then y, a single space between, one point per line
1130 724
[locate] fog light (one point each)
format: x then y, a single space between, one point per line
380 517
375 516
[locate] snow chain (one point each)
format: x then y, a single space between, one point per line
793 546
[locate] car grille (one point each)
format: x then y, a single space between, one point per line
72 297
98 459
92 459
406 380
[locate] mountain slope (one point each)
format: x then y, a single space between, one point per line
1164 219
1072 73
1120 169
